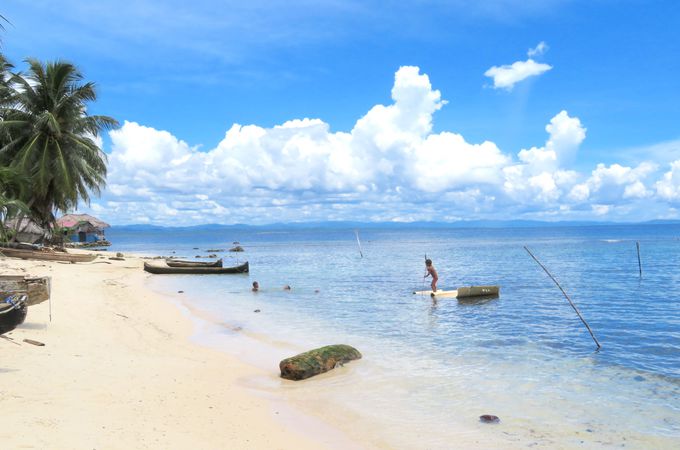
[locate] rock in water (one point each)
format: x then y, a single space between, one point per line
489 418
317 361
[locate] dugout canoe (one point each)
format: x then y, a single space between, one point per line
13 310
182 263
36 288
47 256
464 292
165 269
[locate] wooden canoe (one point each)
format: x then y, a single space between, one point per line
464 292
36 288
478 291
13 312
181 263
47 256
165 269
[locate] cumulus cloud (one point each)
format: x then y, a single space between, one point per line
390 166
506 76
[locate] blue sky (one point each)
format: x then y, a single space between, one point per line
180 74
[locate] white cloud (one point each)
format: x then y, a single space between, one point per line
668 187
390 166
505 77
540 49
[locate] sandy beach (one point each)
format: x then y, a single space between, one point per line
118 371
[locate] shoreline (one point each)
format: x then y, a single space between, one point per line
119 369
133 364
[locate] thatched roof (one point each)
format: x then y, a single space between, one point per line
72 220
25 225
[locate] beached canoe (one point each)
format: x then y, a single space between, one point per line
165 269
464 292
181 263
36 288
13 310
46 255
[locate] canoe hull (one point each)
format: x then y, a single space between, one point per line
37 288
180 263
12 314
46 256
162 270
464 292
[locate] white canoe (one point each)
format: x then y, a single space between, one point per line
464 292
439 293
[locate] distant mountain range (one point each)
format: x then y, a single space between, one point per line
397 225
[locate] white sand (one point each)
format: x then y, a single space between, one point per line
118 371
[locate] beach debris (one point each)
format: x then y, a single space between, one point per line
180 292
32 342
122 315
317 361
7 338
238 248
489 418
257 310
119 255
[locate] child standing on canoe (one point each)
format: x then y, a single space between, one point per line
431 271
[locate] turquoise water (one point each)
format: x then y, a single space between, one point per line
524 356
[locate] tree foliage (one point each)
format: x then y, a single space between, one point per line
47 135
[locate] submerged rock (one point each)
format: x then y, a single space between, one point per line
317 361
238 248
489 418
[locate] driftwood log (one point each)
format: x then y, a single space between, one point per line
317 361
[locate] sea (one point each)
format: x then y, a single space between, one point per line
431 368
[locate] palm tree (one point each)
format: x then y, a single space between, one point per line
51 138
12 187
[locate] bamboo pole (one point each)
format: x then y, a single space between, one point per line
637 244
356 232
565 296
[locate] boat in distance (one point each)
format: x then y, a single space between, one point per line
165 269
182 263
464 292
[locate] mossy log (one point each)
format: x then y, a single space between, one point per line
317 361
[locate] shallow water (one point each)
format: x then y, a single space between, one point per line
431 368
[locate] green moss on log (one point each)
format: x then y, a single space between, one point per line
317 361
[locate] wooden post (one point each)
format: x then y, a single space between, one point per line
356 232
637 244
566 296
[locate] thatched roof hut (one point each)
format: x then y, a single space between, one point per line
26 230
84 226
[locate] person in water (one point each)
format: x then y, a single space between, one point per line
431 271
256 286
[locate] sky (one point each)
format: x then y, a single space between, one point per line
430 110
